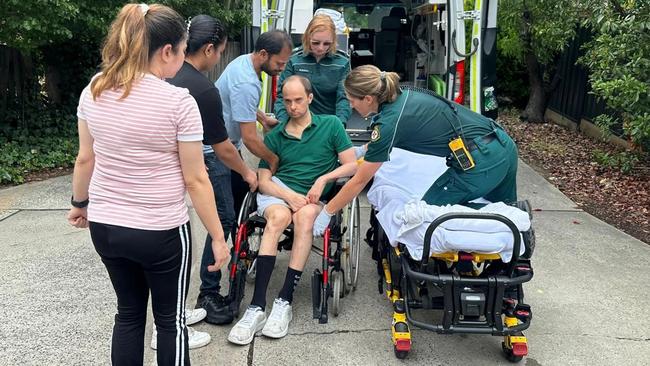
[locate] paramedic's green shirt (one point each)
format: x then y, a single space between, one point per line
326 79
305 159
422 124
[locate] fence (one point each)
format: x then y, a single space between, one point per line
233 49
572 98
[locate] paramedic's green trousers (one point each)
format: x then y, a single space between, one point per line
494 177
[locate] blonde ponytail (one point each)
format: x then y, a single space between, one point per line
136 33
369 80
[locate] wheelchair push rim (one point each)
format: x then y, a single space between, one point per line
353 240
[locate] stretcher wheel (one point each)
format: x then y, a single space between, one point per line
509 355
337 290
400 354
516 347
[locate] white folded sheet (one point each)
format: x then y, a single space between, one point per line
396 191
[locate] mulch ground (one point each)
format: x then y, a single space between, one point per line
566 159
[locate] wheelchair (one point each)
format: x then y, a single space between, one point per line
459 292
339 270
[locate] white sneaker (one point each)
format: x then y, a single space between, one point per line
278 324
195 339
193 316
252 322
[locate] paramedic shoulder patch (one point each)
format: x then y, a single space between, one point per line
374 136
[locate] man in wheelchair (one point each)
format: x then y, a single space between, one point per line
314 150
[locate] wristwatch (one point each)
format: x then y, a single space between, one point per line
78 204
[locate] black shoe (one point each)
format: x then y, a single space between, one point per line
219 312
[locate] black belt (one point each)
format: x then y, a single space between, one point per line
486 139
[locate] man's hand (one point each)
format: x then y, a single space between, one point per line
221 254
316 191
267 121
296 201
270 122
251 178
322 222
78 217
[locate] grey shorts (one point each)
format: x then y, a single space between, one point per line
264 201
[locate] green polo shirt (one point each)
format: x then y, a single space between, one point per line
326 78
303 160
423 124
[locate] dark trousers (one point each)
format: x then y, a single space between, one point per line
494 177
140 261
239 190
220 178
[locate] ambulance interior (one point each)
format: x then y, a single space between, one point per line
408 37
416 39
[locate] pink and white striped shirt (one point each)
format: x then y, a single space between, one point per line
137 181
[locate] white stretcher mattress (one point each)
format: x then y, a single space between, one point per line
397 189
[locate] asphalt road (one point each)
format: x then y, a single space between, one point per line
589 296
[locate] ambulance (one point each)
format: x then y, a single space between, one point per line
424 41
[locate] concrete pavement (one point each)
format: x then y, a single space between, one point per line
589 296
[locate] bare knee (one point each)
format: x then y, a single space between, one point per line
303 220
277 220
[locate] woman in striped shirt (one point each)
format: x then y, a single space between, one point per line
140 151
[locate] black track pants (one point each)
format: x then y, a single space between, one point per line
140 261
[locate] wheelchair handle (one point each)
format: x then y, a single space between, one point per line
474 215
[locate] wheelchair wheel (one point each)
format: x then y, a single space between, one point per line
337 291
352 240
244 210
251 272
254 241
356 241
345 249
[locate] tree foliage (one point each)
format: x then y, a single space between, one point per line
543 27
618 59
534 32
49 49
29 24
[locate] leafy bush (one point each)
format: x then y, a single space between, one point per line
625 161
18 158
618 58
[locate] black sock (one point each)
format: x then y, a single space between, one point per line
265 264
290 282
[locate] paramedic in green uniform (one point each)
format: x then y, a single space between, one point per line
326 69
424 124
